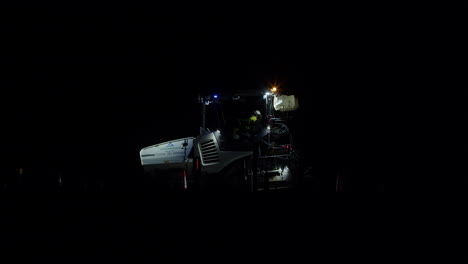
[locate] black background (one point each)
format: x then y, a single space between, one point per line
85 88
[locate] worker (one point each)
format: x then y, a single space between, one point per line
256 115
255 123
255 128
247 128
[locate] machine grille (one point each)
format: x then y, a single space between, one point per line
209 152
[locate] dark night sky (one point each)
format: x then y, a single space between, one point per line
93 87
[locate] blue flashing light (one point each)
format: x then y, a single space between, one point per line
215 96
